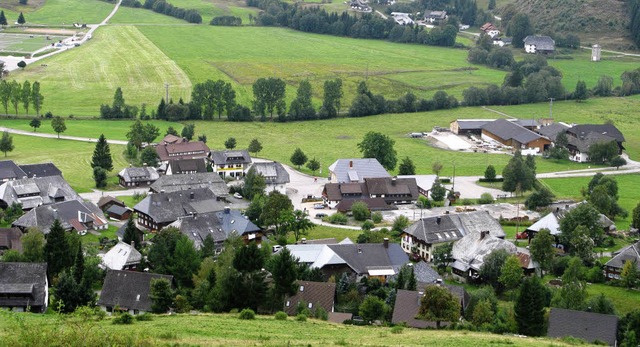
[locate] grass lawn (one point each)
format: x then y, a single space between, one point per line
24 43
79 81
581 68
130 15
95 239
624 300
628 190
227 330
62 12
73 158
213 8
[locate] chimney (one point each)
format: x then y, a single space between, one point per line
162 191
130 165
144 164
393 180
483 234
227 210
359 250
55 213
350 164
386 242
191 195
303 240
133 244
438 220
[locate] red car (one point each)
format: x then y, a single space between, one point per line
523 235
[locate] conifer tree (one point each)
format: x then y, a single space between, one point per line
21 19
132 234
3 19
102 155
56 250
529 307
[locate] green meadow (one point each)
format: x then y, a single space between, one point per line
59 12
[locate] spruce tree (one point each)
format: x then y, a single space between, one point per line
412 282
78 267
132 234
3 19
102 155
21 19
56 250
529 307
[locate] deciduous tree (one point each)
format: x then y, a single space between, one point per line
542 249
230 143
269 95
149 156
35 123
6 143
379 146
255 146
438 304
58 125
511 273
33 245
36 97
298 158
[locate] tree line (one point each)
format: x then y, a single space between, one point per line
163 7
365 26
634 26
458 11
15 94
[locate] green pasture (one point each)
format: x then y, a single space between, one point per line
24 43
62 12
141 16
73 158
79 81
213 8
228 330
624 300
628 190
581 68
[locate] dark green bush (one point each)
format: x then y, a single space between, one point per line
247 314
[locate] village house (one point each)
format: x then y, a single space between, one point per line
490 29
435 17
312 295
9 171
128 291
220 225
402 18
74 215
539 44
407 306
582 136
41 170
138 176
10 239
587 326
122 256
185 166
24 287
502 41
356 170
514 135
275 176
613 268
377 193
470 251
114 208
230 163
174 183
156 211
170 148
36 191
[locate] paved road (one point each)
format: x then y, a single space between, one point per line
62 137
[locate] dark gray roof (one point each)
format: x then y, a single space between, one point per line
123 228
168 207
629 253
118 210
584 141
273 173
210 180
23 278
356 170
230 157
10 239
139 174
424 273
219 224
108 200
315 293
552 130
436 229
526 122
542 43
128 289
407 306
472 124
509 130
365 256
179 166
32 192
604 129
583 325
72 214
41 170
10 171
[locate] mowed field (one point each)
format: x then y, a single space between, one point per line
79 81
24 43
60 12
228 330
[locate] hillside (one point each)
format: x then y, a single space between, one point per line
595 21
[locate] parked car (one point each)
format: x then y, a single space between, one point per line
319 206
237 195
320 215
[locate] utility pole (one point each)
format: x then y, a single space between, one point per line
166 87
551 107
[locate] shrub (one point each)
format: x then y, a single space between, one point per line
360 211
397 329
144 317
485 198
321 313
247 314
280 315
124 318
301 317
234 310
467 202
338 218
376 217
367 225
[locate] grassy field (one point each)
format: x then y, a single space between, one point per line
628 190
624 300
227 330
129 15
73 158
61 12
213 8
25 43
79 81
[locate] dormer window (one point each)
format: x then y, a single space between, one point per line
302 288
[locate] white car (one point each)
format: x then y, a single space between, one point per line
237 196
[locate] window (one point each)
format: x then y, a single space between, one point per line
302 288
288 303
310 305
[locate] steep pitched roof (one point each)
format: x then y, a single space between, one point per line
544 43
121 255
550 221
584 325
219 224
476 221
365 257
604 129
629 253
470 251
393 188
179 166
273 172
139 174
10 239
182 150
318 294
424 273
230 157
41 170
584 141
109 200
10 171
552 130
128 289
23 278
36 191
168 207
356 170
72 214
435 229
507 130
172 183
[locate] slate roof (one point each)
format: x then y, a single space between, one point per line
10 171
393 189
172 183
23 278
168 207
121 255
121 230
584 325
552 130
472 124
117 210
357 169
365 256
436 229
72 214
469 252
10 239
315 293
219 224
32 192
435 14
139 174
604 129
182 150
584 141
41 170
424 273
273 172
233 156
628 253
179 166
128 289
507 130
407 306
476 221
109 200
542 43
